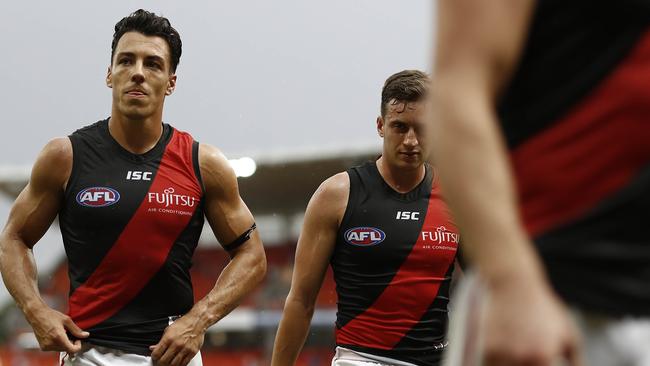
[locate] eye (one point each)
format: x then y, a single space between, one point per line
124 61
400 127
153 64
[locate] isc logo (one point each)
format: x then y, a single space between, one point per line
364 236
98 197
137 175
407 215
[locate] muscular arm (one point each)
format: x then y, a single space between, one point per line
478 47
31 215
228 217
315 246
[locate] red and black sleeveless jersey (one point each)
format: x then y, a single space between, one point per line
577 120
392 265
130 224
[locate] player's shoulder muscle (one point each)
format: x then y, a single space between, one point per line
53 165
331 198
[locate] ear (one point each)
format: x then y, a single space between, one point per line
171 84
380 126
109 77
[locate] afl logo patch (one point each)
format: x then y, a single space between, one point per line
364 236
98 197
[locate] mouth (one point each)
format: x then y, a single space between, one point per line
410 156
136 93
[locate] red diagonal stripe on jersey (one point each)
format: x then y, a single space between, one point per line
143 246
596 149
406 299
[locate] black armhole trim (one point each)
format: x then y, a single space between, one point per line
195 163
353 195
72 179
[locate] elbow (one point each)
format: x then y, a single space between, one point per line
303 303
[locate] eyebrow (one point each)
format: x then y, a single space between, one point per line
131 54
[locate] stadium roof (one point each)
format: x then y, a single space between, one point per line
281 185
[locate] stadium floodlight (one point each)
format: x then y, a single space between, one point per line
244 167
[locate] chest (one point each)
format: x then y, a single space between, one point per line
105 192
386 232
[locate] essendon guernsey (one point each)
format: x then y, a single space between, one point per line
130 224
576 118
392 265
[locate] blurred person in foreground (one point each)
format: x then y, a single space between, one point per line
131 193
387 233
541 134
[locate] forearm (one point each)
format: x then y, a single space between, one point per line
244 272
19 274
477 181
292 332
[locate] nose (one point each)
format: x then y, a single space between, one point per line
411 138
138 73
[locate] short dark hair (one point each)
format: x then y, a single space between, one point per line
404 86
150 24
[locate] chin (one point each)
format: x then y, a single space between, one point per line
410 165
135 113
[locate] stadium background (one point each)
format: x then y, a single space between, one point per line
293 85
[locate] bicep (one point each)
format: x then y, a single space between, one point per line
32 214
318 238
227 214
313 252
38 204
228 217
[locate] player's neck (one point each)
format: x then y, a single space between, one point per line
136 136
400 179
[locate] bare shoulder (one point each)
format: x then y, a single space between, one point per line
212 159
58 150
331 198
334 188
215 169
54 163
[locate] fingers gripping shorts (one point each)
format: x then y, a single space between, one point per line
91 355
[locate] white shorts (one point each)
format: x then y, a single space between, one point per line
612 341
92 355
347 357
606 341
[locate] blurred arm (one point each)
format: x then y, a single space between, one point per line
478 48
479 44
315 246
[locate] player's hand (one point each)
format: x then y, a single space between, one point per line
180 342
525 324
51 329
